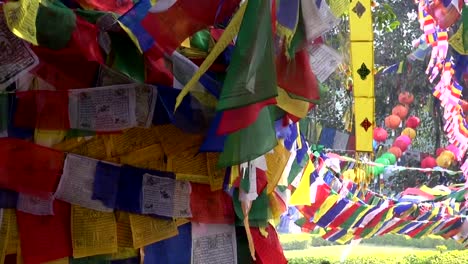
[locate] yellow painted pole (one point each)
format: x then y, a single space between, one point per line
362 65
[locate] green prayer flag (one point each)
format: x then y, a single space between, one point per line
465 27
251 142
259 212
296 168
251 76
127 58
245 181
55 24
298 39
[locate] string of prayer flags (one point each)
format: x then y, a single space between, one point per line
77 183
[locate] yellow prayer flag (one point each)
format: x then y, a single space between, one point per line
301 195
124 231
21 18
13 236
93 232
93 148
216 176
175 141
48 138
4 231
151 157
299 139
431 191
228 35
148 230
276 206
182 221
339 7
456 41
133 139
189 166
276 162
295 107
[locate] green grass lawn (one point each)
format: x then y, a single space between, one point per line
335 252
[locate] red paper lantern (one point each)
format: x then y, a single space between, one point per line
413 122
401 111
428 163
380 134
392 121
395 151
401 145
406 98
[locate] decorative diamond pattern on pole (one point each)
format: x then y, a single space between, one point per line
363 71
366 124
359 9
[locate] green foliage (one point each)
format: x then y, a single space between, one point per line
385 19
404 241
452 257
304 241
441 248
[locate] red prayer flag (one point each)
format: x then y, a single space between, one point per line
186 17
82 55
211 207
296 75
262 181
29 168
42 109
45 238
236 119
115 6
267 249
158 69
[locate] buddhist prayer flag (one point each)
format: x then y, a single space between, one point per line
45 238
248 90
150 29
29 168
116 6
